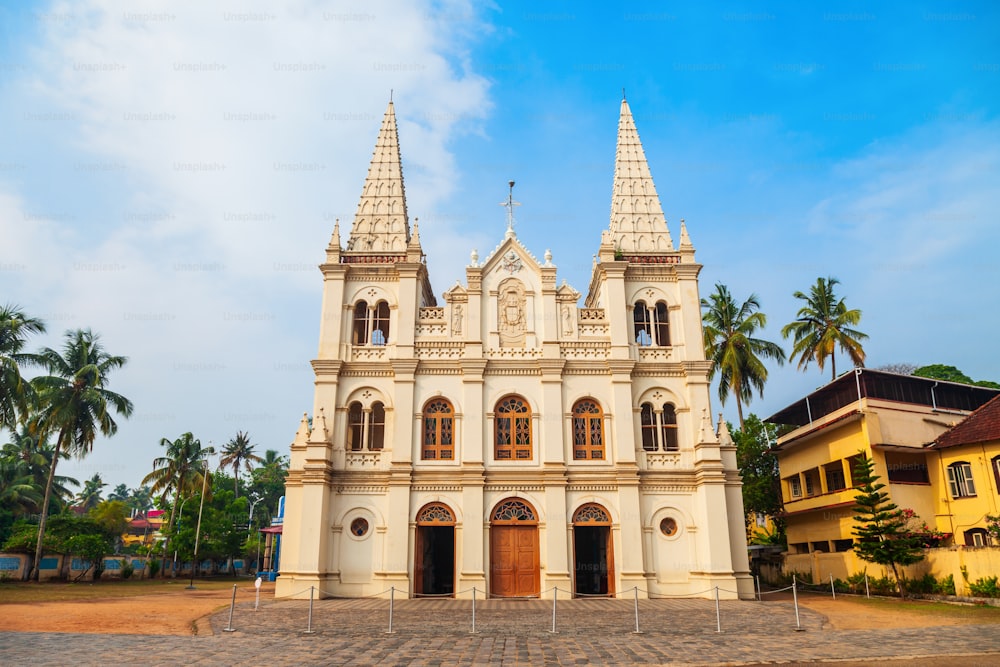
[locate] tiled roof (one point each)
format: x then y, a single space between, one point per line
981 426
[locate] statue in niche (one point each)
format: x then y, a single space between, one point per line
511 316
456 319
567 320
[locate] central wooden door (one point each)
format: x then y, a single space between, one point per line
514 562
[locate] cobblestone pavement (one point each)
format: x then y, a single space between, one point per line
438 632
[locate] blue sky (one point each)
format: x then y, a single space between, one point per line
170 173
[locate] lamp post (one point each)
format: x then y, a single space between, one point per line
201 506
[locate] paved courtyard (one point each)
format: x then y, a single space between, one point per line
439 632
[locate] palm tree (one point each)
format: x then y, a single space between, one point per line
18 491
75 403
121 492
30 451
730 346
822 325
90 496
179 471
15 327
236 452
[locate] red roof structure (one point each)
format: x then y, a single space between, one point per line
982 425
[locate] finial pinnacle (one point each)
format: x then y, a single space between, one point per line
624 99
390 96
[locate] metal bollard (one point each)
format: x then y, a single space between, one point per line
637 631
795 599
756 580
392 597
309 627
232 605
867 592
555 596
718 614
833 589
473 610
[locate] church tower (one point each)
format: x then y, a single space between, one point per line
509 441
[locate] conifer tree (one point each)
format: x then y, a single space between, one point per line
880 526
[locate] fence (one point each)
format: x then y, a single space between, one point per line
633 611
16 567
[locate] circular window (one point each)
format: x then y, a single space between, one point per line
668 527
359 527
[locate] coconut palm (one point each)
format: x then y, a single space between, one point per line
120 492
15 327
90 496
823 324
75 404
731 347
238 453
31 453
18 491
179 471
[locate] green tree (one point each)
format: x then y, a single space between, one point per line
178 472
76 404
759 469
120 492
239 453
90 496
823 325
268 485
880 526
951 374
30 451
730 345
15 391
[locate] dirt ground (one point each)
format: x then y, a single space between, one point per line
177 613
185 612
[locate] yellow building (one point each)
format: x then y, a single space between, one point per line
894 419
965 475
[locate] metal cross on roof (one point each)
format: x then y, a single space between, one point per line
510 204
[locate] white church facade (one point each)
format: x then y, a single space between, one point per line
505 438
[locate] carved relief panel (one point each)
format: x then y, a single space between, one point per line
511 313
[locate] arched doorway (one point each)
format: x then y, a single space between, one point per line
592 551
434 551
514 569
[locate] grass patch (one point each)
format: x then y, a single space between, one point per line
968 612
21 592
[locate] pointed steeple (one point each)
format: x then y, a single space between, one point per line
723 434
637 222
381 224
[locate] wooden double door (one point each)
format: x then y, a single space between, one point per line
514 562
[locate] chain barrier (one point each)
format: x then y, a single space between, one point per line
633 592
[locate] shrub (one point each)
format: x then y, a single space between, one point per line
986 587
153 565
127 568
946 586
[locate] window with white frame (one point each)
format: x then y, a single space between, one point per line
960 480
371 323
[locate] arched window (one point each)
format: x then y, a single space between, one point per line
371 323
439 420
648 421
360 323
660 317
960 480
588 430
376 426
669 428
355 427
651 325
641 331
512 429
380 324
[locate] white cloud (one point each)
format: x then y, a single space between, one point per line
214 144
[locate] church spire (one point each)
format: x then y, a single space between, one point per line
381 223
637 222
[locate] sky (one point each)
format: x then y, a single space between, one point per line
170 173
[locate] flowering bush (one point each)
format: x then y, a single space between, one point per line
930 538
